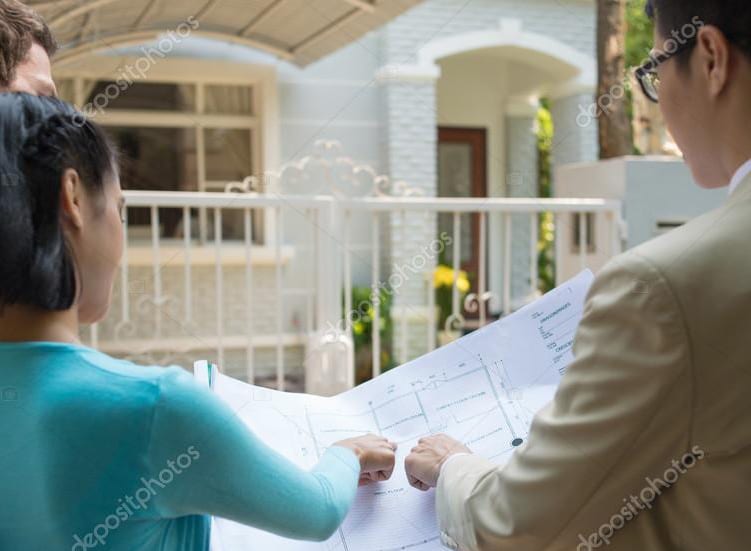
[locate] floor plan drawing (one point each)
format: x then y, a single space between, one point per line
483 390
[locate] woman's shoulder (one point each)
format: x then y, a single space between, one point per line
127 381
123 368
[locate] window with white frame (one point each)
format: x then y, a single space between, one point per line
179 136
588 219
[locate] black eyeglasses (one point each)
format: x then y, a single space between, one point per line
647 75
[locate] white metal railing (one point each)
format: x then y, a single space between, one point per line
152 301
377 208
179 297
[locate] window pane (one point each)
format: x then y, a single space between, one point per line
589 231
229 100
455 180
144 96
228 154
161 159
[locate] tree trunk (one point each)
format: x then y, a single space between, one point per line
613 121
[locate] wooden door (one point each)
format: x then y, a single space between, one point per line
462 172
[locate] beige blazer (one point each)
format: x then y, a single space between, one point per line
647 444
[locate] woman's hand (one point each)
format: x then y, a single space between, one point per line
376 455
423 465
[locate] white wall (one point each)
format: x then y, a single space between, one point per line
335 98
652 189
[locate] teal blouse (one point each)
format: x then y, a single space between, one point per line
99 453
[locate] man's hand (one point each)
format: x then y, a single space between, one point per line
376 455
423 464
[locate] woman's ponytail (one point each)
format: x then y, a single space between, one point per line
41 138
16 229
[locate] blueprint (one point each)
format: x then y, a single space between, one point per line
482 389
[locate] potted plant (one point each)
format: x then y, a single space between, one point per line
361 319
444 278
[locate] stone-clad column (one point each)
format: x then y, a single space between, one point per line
521 181
575 122
410 120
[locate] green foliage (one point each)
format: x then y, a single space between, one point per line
638 35
363 315
546 241
639 40
362 318
545 132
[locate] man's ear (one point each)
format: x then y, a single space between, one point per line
713 54
71 199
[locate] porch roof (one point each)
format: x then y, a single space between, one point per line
300 31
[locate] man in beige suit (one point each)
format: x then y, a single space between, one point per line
647 444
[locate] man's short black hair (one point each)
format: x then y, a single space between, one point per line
732 17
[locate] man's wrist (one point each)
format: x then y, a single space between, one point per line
450 458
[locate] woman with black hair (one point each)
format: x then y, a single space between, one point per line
102 453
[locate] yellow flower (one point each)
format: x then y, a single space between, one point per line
444 276
463 283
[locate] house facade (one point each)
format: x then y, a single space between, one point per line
440 95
